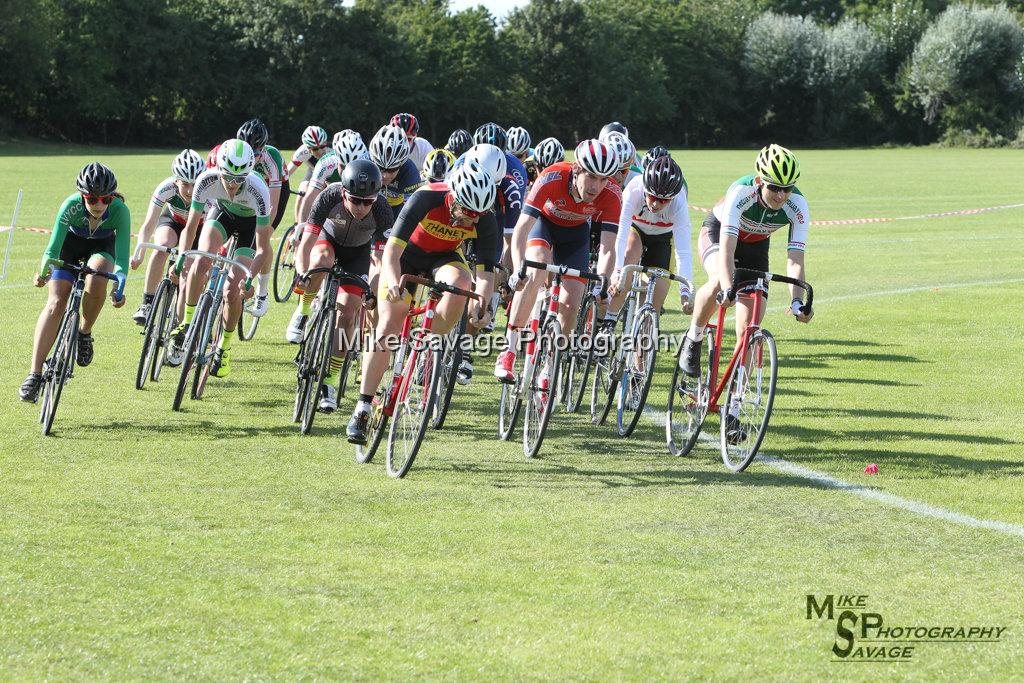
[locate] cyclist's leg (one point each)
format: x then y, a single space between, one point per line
95 291
211 239
389 327
450 308
49 318
704 301
658 254
634 250
253 243
166 236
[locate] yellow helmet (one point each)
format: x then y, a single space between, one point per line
777 165
437 164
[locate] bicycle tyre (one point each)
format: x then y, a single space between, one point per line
738 456
166 324
537 401
509 405
63 361
628 415
581 359
247 324
150 337
602 389
688 404
412 431
214 331
451 359
378 426
284 268
191 349
320 361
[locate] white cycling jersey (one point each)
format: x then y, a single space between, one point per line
673 218
743 215
420 149
251 199
166 193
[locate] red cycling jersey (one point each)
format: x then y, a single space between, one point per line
550 198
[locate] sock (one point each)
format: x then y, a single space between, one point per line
335 368
263 284
512 337
299 289
225 341
148 298
610 317
190 311
306 303
696 332
364 405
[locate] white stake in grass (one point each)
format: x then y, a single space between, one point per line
10 237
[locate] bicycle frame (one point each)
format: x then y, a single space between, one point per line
739 353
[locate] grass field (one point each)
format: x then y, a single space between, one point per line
218 543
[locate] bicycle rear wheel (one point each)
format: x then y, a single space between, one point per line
318 362
451 359
747 405
59 367
284 267
581 358
540 388
688 400
417 397
638 371
192 345
165 324
377 428
150 337
214 327
602 389
247 324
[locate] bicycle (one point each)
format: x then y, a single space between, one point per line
630 369
409 399
534 385
284 259
160 322
314 356
207 323
747 391
59 367
581 354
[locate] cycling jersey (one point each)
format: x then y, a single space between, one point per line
426 224
301 156
330 216
674 219
744 215
327 170
166 194
401 188
551 198
511 191
251 199
73 218
420 148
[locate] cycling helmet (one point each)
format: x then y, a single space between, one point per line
653 153
472 187
548 151
349 147
253 132
187 165
613 127
389 149
235 157
491 159
596 158
96 179
624 150
459 142
437 164
777 165
314 136
518 141
361 178
663 178
407 122
491 134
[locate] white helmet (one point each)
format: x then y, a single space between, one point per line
548 151
491 159
348 148
518 141
188 165
346 132
314 136
389 148
473 187
624 149
596 158
235 157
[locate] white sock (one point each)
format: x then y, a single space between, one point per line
263 283
696 332
512 337
363 407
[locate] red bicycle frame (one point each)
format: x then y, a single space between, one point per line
739 353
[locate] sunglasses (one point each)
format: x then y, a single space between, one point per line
780 188
656 198
234 179
396 169
361 201
468 213
96 199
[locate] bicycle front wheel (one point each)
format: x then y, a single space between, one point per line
213 329
688 400
192 348
59 367
747 405
451 359
247 324
416 401
638 371
377 427
540 388
319 360
151 336
581 358
284 267
165 323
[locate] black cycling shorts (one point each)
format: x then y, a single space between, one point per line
752 255
167 219
657 250
229 224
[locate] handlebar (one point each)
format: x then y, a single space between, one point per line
301 193
343 277
437 286
745 277
141 246
213 257
562 271
655 273
84 270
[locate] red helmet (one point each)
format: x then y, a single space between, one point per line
406 122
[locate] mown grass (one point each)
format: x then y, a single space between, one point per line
219 543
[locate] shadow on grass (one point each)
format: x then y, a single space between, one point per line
860 412
927 464
324 425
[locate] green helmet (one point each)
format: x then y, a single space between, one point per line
235 157
777 165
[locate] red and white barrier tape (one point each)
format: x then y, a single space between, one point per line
859 221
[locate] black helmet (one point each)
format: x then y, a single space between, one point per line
652 154
491 134
663 178
613 127
361 178
255 133
459 142
96 179
407 122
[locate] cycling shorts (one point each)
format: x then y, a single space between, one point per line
569 246
77 250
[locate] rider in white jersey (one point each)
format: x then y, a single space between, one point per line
419 147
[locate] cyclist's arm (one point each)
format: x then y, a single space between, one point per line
800 222
413 211
726 255
630 202
122 239
524 225
610 201
60 231
795 269
681 229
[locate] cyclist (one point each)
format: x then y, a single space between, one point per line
239 205
554 227
736 234
625 151
168 211
93 226
419 148
389 149
345 220
655 216
314 146
652 154
548 152
518 143
436 165
426 240
459 142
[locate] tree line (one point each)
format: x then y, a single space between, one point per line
681 73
